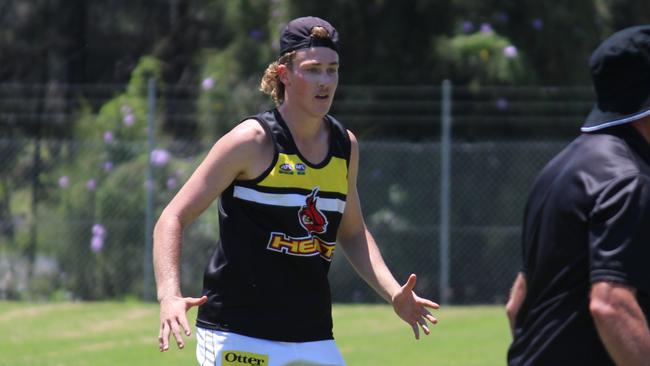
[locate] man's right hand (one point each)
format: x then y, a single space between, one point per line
173 318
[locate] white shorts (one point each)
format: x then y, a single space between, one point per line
231 349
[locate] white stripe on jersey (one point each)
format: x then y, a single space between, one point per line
287 199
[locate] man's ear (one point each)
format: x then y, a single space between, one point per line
283 72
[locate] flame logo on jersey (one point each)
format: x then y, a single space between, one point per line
310 217
312 220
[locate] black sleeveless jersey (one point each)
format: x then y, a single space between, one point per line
267 277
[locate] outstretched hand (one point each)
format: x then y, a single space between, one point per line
173 317
412 308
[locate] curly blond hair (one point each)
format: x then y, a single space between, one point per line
271 83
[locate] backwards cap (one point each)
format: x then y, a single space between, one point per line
297 35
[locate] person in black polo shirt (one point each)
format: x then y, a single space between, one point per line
582 295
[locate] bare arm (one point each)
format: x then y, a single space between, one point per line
362 252
621 323
237 154
517 296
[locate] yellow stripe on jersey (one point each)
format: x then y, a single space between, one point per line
291 172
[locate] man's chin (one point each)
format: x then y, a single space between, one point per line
322 109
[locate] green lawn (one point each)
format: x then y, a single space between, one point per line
112 333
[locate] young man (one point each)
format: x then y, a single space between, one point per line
286 180
583 295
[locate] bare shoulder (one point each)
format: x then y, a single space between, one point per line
354 157
354 145
246 139
353 140
249 132
252 147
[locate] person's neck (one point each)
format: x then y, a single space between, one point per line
302 126
643 126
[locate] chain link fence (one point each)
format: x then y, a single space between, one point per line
75 212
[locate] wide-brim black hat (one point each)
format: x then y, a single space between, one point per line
620 70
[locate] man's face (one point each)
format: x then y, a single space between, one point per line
312 81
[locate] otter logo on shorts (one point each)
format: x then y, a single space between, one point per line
239 358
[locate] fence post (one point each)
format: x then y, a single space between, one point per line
445 190
147 276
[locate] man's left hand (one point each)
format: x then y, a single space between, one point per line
412 308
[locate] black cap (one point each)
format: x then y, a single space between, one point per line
297 35
620 70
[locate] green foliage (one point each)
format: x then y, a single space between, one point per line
148 68
219 77
377 34
9 180
230 75
104 185
116 202
125 115
98 184
482 58
226 96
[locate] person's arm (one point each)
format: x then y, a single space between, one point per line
621 323
619 251
517 296
233 156
362 252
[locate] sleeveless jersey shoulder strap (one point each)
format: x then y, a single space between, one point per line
270 122
342 145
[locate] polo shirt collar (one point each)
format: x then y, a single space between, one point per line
635 140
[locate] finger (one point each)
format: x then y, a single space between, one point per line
426 314
424 326
165 337
428 303
186 326
193 301
431 318
410 283
177 334
160 338
416 330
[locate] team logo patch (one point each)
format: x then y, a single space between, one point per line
286 168
239 358
311 218
301 169
314 222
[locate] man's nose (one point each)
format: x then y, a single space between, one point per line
325 79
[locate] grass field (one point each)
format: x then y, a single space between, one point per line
114 333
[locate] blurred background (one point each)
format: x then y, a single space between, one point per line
107 106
